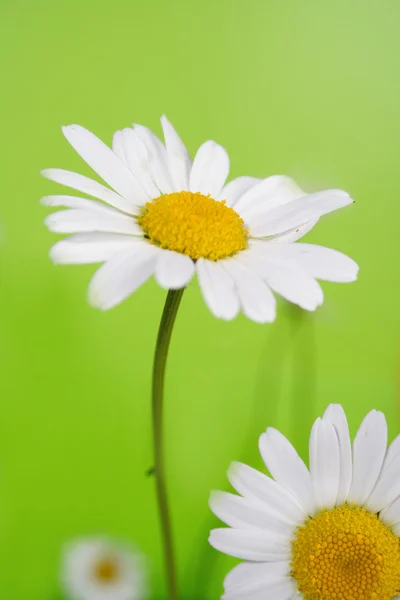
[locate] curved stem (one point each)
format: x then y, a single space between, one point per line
160 358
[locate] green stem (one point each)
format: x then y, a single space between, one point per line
160 358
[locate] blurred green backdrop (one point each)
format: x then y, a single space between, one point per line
310 89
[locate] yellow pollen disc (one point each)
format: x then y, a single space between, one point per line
106 570
193 224
346 553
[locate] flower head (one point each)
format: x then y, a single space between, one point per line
173 218
324 533
100 569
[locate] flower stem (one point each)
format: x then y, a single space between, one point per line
160 358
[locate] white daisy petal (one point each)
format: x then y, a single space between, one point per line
241 575
122 275
325 263
218 289
235 189
86 248
319 262
293 284
369 449
157 159
296 233
392 452
249 578
256 486
106 164
134 153
391 514
242 513
287 468
290 215
387 488
174 270
83 220
210 169
256 299
281 589
258 546
118 145
267 194
336 415
75 202
324 463
179 162
296 287
137 159
396 530
88 186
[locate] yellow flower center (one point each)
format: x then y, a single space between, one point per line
346 553
106 571
193 224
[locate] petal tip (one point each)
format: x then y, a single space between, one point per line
49 222
66 128
356 270
95 302
53 255
334 407
213 499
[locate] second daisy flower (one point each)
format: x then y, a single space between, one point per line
330 532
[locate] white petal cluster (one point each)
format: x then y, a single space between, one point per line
139 168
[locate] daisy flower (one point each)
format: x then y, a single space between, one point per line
170 217
330 532
100 569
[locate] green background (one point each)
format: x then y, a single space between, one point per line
306 88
